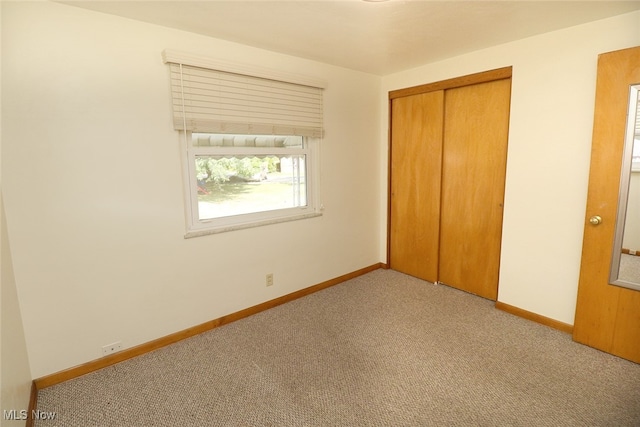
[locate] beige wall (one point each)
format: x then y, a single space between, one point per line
548 160
93 188
15 373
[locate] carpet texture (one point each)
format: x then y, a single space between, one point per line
384 349
630 268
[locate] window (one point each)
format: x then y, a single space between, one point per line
251 141
236 180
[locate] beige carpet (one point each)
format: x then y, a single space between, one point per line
383 349
630 268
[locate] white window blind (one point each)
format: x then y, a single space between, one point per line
216 101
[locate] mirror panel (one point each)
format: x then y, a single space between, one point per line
625 260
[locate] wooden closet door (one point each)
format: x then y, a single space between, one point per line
416 159
476 126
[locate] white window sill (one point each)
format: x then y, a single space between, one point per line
224 229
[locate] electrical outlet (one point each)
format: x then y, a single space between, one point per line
270 279
111 348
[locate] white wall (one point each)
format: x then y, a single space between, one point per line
93 192
552 104
15 372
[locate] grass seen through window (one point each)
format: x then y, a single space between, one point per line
234 186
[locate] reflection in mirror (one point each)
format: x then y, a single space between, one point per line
625 261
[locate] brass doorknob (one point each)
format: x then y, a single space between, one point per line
595 220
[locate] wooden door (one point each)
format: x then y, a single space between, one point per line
476 130
607 316
416 158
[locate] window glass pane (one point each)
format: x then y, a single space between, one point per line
235 185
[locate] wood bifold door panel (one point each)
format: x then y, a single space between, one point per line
607 316
447 175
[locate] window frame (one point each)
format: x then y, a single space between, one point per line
197 227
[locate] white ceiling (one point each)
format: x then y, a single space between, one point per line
375 37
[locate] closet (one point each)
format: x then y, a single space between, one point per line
447 163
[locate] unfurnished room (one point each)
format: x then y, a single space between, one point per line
320 213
